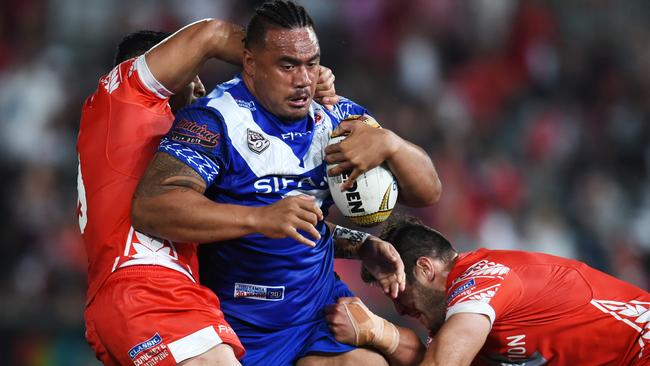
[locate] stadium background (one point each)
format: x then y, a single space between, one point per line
536 114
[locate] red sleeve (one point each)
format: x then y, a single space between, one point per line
487 288
133 81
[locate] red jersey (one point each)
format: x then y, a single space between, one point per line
547 310
121 126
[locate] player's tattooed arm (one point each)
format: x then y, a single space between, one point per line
165 173
170 203
161 205
379 258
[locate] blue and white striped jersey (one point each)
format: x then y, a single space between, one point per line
247 156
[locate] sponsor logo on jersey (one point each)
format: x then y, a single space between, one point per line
279 184
149 343
468 285
257 143
250 105
258 292
294 135
193 133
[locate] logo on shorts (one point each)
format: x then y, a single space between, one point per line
257 143
258 292
138 348
149 352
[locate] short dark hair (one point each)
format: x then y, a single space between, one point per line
278 14
412 240
137 43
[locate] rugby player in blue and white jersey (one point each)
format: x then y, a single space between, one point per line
246 167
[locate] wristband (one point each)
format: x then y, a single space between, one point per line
341 232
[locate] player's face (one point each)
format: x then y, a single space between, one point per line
285 71
427 305
188 95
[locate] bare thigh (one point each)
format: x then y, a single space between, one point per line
220 355
357 357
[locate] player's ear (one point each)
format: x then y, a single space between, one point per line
425 269
249 63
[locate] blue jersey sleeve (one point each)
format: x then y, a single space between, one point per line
196 139
346 108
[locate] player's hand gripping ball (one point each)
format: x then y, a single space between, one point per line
372 197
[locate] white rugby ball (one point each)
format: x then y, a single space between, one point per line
371 199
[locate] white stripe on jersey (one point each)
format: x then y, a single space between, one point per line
278 159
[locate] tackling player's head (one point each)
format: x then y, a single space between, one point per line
136 44
281 59
428 257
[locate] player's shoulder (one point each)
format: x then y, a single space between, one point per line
227 98
481 263
346 108
133 82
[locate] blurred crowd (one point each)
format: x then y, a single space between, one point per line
536 114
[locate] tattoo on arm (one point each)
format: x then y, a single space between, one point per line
165 173
348 242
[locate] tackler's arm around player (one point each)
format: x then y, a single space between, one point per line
179 58
366 147
170 203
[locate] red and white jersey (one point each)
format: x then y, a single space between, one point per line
547 310
122 123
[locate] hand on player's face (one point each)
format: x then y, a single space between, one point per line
364 148
325 90
188 95
285 217
384 263
285 71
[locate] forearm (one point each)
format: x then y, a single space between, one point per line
185 215
347 242
417 177
410 350
178 59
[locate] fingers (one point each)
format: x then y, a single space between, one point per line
344 128
356 173
299 238
333 148
308 228
310 205
325 73
329 101
340 168
325 89
334 158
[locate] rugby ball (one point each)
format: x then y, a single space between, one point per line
372 197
